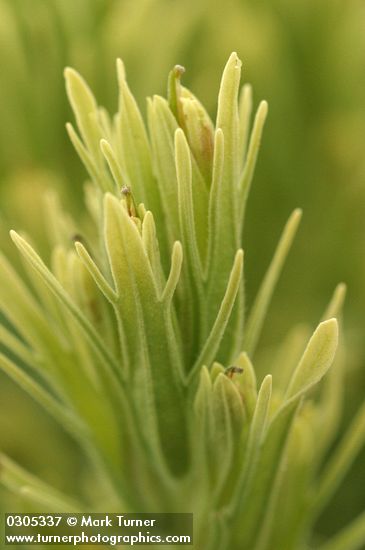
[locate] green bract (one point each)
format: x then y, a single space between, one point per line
135 337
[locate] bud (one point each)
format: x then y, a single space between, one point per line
194 120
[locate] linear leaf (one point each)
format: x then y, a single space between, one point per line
151 246
119 178
162 125
134 147
174 275
258 311
214 197
111 367
335 306
96 274
84 106
186 207
227 115
244 113
223 208
216 334
253 149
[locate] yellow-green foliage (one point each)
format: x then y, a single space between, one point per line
134 337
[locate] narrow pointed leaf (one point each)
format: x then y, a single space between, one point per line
335 306
162 126
262 301
254 145
151 246
55 286
86 111
94 271
223 208
114 166
215 213
212 343
227 115
186 207
135 160
244 113
174 275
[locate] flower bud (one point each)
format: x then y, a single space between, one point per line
194 120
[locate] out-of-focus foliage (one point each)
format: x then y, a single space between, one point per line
305 57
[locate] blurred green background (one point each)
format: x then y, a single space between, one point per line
307 58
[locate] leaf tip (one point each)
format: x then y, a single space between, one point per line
179 136
263 109
104 146
177 248
297 213
68 72
120 71
341 290
79 248
72 77
239 256
234 61
330 326
15 237
294 220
